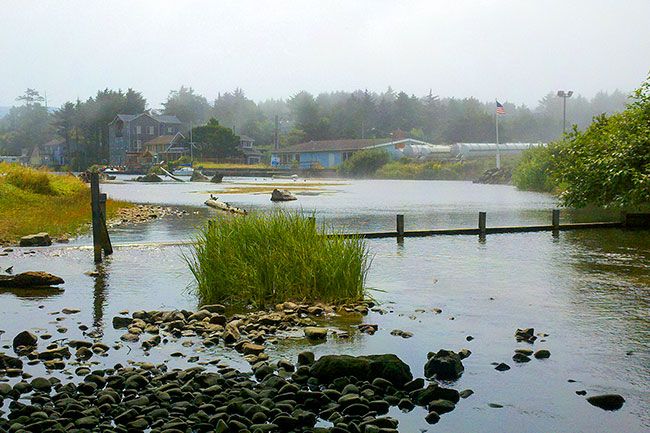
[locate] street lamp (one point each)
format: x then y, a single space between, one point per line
564 95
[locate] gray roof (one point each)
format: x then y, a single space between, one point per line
165 118
162 118
243 137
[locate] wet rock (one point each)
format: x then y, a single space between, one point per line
30 280
520 358
25 339
607 401
400 333
581 392
41 384
37 240
252 348
432 417
502 367
445 365
282 195
441 406
306 358
83 353
464 353
70 310
214 308
57 353
466 393
197 176
80 343
8 362
525 334
542 354
130 337
367 328
315 333
495 405
121 322
390 367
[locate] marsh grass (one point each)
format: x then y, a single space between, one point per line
264 259
33 201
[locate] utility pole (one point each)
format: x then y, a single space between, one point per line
564 95
276 134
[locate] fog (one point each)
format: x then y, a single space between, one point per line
513 50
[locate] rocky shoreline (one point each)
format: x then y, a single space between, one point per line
142 213
333 393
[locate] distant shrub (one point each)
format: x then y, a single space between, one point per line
534 171
264 259
365 162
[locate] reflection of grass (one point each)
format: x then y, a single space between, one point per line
264 259
34 201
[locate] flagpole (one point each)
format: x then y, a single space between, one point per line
497 136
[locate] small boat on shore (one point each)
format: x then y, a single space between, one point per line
285 176
214 202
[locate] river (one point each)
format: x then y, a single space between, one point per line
588 290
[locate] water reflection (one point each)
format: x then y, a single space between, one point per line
99 292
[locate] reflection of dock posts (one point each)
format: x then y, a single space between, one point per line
400 225
101 240
556 222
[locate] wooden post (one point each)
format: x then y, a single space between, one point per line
96 215
400 226
556 220
482 216
106 240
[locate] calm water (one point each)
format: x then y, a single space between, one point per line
590 291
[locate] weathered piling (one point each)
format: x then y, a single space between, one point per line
101 239
400 225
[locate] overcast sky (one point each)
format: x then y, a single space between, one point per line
515 50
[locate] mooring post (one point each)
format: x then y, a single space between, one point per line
556 220
481 222
106 239
400 226
96 218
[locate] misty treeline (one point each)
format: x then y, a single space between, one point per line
302 117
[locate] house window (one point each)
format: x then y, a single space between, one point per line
151 130
169 129
247 144
138 143
138 130
346 155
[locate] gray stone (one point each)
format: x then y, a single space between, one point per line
37 240
445 365
607 401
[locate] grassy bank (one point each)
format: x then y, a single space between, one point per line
441 170
34 201
264 259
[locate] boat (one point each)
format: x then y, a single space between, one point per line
214 202
183 171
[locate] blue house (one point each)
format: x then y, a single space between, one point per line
331 153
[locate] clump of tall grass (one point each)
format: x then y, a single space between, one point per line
264 259
33 201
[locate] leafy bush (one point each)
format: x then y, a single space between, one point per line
264 259
534 171
365 162
606 165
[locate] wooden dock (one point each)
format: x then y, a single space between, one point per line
628 221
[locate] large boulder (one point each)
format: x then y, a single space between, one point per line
607 401
445 365
369 367
282 195
37 240
25 339
30 279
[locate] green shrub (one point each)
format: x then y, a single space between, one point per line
264 259
534 171
365 162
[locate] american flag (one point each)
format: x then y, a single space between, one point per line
500 109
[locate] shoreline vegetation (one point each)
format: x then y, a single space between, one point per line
607 164
266 259
33 201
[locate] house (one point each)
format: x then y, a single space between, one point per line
332 153
251 154
167 147
129 132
